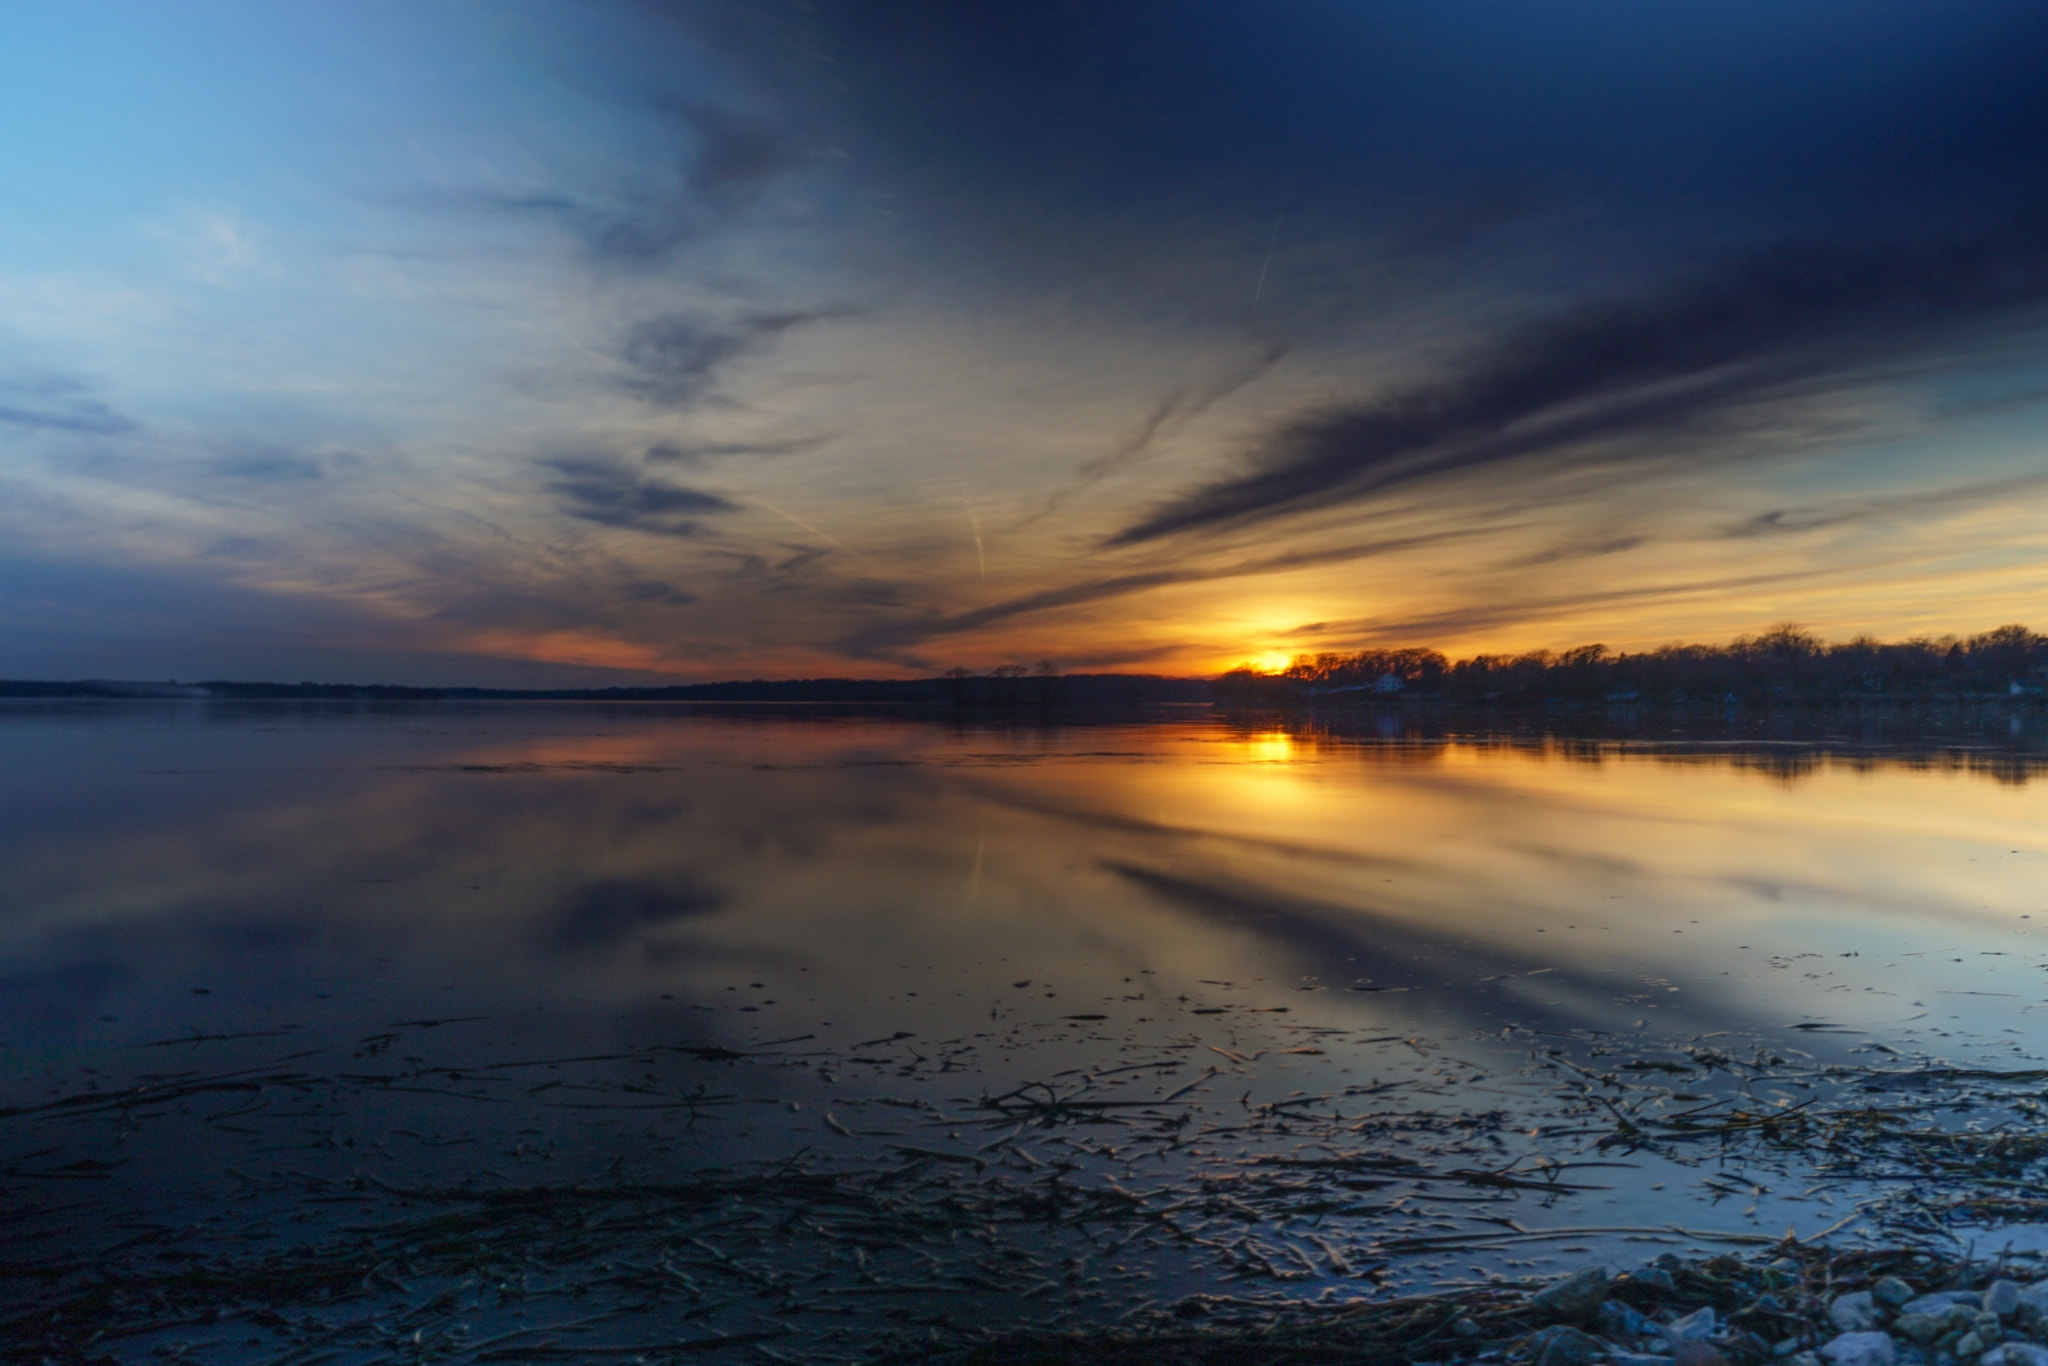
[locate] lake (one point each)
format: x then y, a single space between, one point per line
499 1031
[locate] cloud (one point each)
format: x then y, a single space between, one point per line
1790 521
699 454
269 467
737 153
55 403
896 635
1669 360
1580 550
654 590
676 358
1509 611
611 495
724 159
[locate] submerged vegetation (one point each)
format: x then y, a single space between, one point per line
1785 663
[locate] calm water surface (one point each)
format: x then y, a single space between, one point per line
883 914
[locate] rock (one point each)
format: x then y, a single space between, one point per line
1615 1358
1574 1297
1936 1301
1968 1345
2002 1298
1617 1319
1891 1292
1657 1279
1697 1326
1562 1345
1920 1328
2015 1354
1987 1328
1694 1353
1853 1313
1860 1349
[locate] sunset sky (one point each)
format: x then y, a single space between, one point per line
523 342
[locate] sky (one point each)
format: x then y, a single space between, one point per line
556 342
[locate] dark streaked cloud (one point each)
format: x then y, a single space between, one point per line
676 359
58 404
612 495
655 591
1663 361
697 454
94 418
269 466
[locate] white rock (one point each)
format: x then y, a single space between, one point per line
1860 1349
1853 1313
2001 1298
1697 1326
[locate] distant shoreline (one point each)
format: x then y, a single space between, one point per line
1082 692
1068 690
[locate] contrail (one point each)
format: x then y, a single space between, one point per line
1258 293
792 517
974 520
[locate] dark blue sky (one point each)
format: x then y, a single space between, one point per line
509 342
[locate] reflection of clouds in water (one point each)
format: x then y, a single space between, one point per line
602 914
1449 975
600 859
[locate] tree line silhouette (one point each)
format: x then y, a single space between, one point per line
1784 663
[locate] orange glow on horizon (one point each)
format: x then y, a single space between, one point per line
568 647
